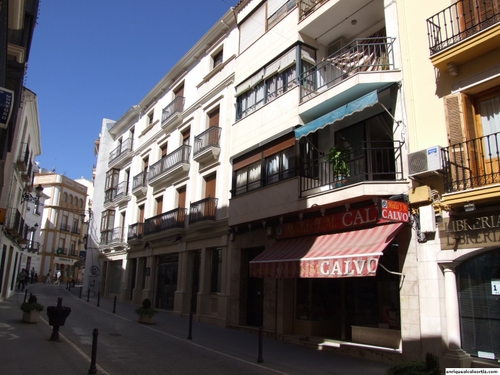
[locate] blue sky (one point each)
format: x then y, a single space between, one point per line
94 59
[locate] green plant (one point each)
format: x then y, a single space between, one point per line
429 367
31 305
146 308
339 158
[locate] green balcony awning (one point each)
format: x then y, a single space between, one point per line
338 114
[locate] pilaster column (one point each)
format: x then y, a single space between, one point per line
454 355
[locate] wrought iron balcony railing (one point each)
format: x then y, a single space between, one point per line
472 164
23 158
459 21
14 224
361 55
203 210
209 138
170 161
176 106
33 246
374 161
65 227
167 220
139 181
124 147
308 6
114 235
135 231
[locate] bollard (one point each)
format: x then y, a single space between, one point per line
25 294
190 336
80 295
57 317
114 305
259 359
93 368
88 295
98 298
67 285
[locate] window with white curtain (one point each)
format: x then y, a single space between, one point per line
248 178
490 121
280 166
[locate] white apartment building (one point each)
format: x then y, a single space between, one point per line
20 201
161 193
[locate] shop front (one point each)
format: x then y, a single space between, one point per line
470 243
343 271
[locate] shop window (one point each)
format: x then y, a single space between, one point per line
478 295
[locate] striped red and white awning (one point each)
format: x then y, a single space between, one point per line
346 254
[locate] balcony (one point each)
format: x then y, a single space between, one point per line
15 225
170 167
65 228
23 157
471 169
33 246
172 113
140 184
463 31
369 57
307 7
207 145
113 237
121 155
373 162
168 220
116 195
203 210
135 231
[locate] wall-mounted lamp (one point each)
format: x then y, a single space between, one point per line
30 198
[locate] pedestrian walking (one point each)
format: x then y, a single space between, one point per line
32 275
22 278
47 278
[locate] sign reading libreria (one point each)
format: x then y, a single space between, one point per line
470 231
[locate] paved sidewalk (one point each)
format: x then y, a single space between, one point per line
128 347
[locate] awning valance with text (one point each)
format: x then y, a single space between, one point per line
347 254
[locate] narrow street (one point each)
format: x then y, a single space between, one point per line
128 347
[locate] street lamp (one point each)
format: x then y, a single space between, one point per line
30 198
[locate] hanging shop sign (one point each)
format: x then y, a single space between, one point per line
62 260
329 223
6 105
393 210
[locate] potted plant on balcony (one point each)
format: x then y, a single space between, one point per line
146 312
31 310
338 157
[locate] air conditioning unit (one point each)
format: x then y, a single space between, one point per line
425 162
335 46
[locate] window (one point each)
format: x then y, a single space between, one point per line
217 58
280 166
248 178
273 162
112 178
269 83
216 271
163 150
186 134
277 10
107 220
150 117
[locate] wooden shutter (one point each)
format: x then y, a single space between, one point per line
182 197
179 91
185 136
210 182
213 118
163 150
159 205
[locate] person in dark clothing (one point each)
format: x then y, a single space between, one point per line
22 279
